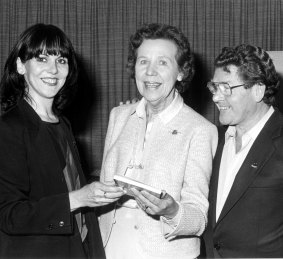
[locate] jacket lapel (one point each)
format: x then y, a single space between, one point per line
259 154
215 176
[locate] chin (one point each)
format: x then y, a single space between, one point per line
224 121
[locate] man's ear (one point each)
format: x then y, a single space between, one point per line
258 91
20 67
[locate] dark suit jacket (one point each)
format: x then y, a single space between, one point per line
35 217
251 221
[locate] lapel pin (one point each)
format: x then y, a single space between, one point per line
174 132
254 165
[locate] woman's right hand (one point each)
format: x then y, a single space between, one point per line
95 194
167 206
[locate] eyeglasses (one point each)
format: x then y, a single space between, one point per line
224 87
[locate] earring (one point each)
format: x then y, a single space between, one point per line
21 71
179 78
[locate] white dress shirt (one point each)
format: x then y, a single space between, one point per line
232 161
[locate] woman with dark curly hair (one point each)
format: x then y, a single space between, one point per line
162 142
44 208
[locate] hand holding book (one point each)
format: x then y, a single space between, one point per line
166 207
152 200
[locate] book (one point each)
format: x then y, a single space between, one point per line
128 183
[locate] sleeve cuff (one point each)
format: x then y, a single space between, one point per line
169 225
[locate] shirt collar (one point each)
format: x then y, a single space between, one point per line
166 115
255 130
140 109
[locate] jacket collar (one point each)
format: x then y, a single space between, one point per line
29 114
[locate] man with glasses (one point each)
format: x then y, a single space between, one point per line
245 216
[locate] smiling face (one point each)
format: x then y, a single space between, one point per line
240 108
45 75
156 71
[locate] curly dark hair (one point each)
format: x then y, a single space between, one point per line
32 42
254 66
184 56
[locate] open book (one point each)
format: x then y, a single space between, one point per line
128 183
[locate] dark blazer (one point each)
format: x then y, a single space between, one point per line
251 221
35 217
